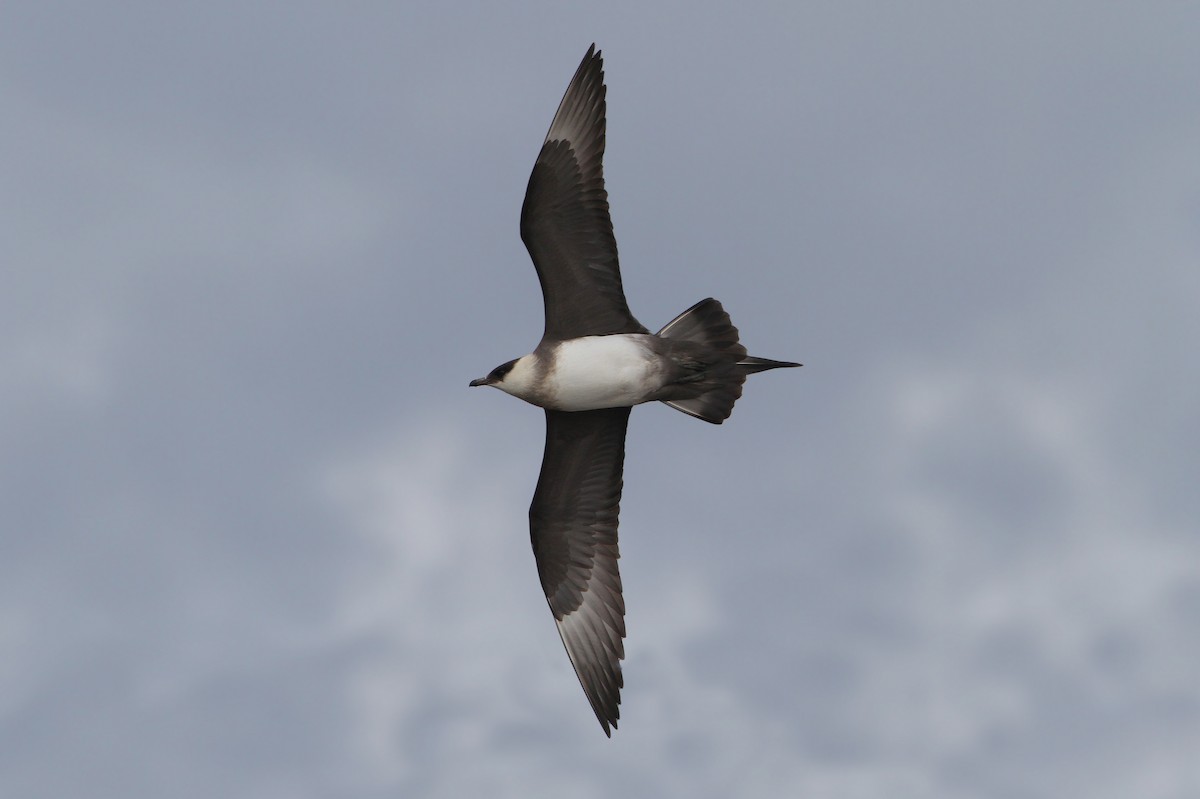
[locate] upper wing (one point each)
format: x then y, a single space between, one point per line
573 524
564 220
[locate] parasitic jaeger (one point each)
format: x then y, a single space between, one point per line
594 362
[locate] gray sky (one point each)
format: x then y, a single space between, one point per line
258 539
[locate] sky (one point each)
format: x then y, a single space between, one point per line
258 539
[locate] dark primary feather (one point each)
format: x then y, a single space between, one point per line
565 223
573 525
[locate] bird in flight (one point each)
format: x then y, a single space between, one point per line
593 364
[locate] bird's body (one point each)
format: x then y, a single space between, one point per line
588 373
596 361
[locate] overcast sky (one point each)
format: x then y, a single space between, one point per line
259 539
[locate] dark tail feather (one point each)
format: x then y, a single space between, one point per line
713 407
705 323
751 365
721 360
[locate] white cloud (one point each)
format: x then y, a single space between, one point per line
1015 606
465 655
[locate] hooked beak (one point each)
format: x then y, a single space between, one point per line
483 381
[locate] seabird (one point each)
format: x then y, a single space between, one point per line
594 363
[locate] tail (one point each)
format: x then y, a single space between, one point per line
713 364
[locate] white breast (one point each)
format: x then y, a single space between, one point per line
602 372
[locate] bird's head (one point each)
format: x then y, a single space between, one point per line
512 377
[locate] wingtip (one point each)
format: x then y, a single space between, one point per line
607 713
607 724
594 56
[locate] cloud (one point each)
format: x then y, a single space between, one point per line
462 658
1046 596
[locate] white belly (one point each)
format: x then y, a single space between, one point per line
602 372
